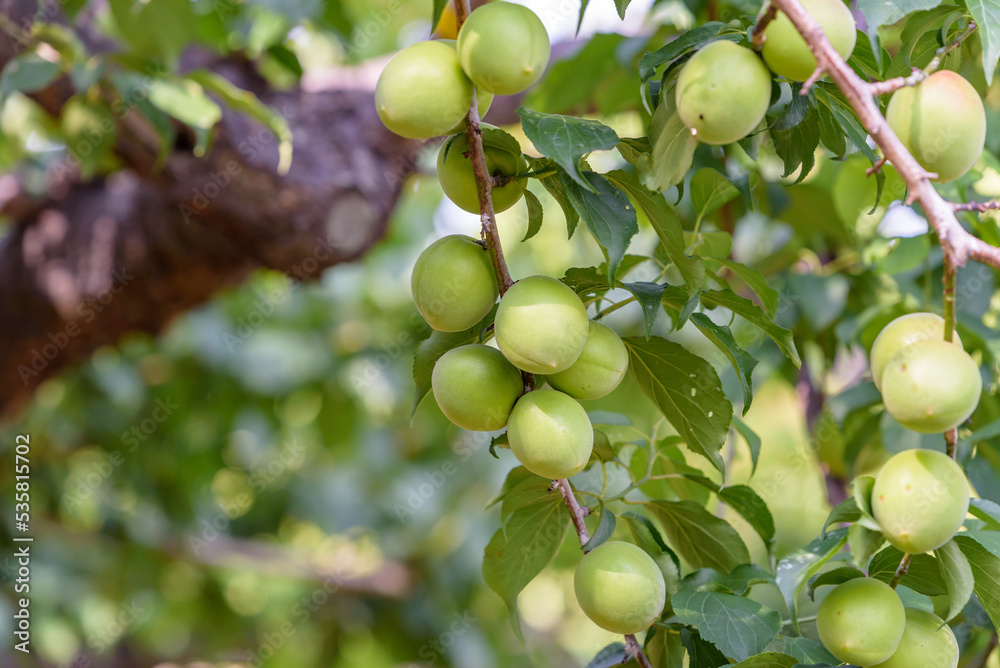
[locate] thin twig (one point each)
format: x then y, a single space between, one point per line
876 167
634 650
761 26
955 241
979 207
890 85
576 512
904 566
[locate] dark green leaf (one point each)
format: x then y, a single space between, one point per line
666 224
566 139
845 511
27 73
621 6
704 540
743 363
701 653
987 16
808 651
609 215
957 574
737 582
649 295
833 577
796 146
687 391
534 214
752 439
605 527
436 11
768 660
739 627
755 316
612 655
677 47
632 148
924 575
743 500
847 119
709 190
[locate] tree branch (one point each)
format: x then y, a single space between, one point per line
634 649
978 207
901 570
958 244
890 85
576 512
761 26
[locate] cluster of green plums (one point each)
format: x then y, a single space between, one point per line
724 90
426 89
541 327
928 384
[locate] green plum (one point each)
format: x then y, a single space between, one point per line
788 55
550 434
927 643
902 332
620 587
454 168
541 325
861 621
503 47
599 369
941 121
484 98
423 91
920 499
931 386
476 387
710 85
453 283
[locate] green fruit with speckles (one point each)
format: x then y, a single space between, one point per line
453 283
599 369
920 499
423 91
476 387
941 121
541 325
861 621
723 93
787 54
454 168
902 332
503 47
931 386
550 434
620 587
927 643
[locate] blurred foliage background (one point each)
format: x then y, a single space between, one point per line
249 488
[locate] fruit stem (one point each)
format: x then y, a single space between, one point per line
484 181
634 649
950 436
761 26
576 513
904 566
890 85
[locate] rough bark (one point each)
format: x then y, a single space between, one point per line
95 260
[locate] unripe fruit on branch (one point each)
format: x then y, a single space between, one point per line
503 47
902 332
927 643
484 98
861 621
476 387
920 500
931 386
723 92
423 91
787 54
620 587
599 369
550 434
541 325
453 283
454 168
941 121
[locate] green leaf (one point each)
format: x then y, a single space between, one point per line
794 570
621 6
704 540
863 543
666 224
436 10
835 576
535 211
957 574
677 47
160 29
27 73
246 102
525 544
743 363
808 651
701 653
553 185
880 13
739 627
664 648
612 655
673 148
709 190
987 16
756 282
987 511
634 148
650 296
609 215
845 511
737 582
186 101
752 439
515 477
687 391
923 577
768 660
847 119
743 500
605 527
566 139
90 131
986 573
796 145
756 316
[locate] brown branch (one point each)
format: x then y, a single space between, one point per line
904 566
576 512
761 26
983 658
890 85
876 167
978 207
634 649
958 244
